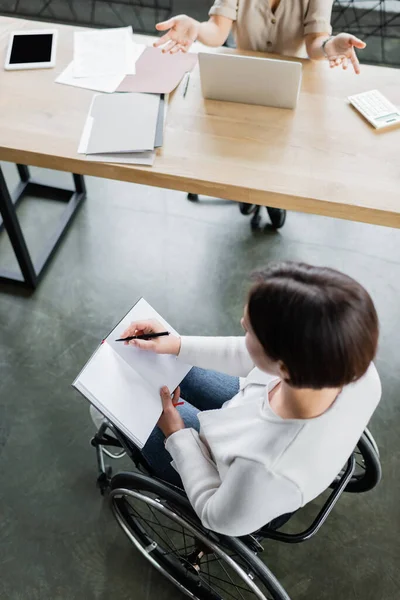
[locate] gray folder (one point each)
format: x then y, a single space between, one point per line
123 123
158 142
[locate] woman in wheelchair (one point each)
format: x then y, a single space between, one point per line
264 423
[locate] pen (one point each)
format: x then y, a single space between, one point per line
185 89
145 336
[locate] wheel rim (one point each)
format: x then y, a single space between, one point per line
359 470
360 467
367 473
179 550
371 440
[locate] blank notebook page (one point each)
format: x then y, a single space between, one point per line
156 369
120 394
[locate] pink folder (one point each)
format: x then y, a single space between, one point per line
158 73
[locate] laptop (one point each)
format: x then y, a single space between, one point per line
250 80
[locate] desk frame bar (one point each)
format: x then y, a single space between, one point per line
32 271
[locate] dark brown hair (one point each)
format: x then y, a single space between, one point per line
320 323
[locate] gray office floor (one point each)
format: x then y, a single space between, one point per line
58 539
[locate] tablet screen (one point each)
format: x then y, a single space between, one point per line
31 48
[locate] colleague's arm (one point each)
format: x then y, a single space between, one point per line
182 31
249 496
320 44
338 49
215 31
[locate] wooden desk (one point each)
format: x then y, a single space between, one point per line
321 158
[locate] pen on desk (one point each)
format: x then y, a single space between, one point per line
144 336
186 84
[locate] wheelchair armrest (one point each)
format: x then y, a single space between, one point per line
295 538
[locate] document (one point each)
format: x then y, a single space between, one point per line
105 52
129 158
158 73
124 383
140 158
107 84
123 123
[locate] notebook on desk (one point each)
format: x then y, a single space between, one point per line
124 383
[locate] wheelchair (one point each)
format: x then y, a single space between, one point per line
277 215
159 521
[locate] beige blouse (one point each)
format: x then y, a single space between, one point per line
257 28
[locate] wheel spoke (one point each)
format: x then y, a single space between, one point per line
223 566
180 550
220 587
150 527
239 587
156 518
189 555
154 523
216 558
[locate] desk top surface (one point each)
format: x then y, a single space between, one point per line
321 158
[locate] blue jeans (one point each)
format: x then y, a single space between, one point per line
200 390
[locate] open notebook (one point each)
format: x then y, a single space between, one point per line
124 383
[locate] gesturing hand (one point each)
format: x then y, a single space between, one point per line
170 421
340 49
183 31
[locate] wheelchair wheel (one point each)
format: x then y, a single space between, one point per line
161 524
368 471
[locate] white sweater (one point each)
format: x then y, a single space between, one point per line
248 465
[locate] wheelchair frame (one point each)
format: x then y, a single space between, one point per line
272 531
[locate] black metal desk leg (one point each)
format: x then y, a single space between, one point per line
23 173
32 270
79 182
16 236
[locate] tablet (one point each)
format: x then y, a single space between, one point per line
31 50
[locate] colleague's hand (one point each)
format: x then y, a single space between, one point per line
341 49
183 31
170 421
167 344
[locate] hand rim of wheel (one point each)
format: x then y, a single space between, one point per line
120 492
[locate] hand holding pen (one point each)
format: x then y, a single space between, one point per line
151 335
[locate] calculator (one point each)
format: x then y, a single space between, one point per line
376 109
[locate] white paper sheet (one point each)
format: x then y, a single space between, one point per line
103 52
85 135
134 53
135 158
99 84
